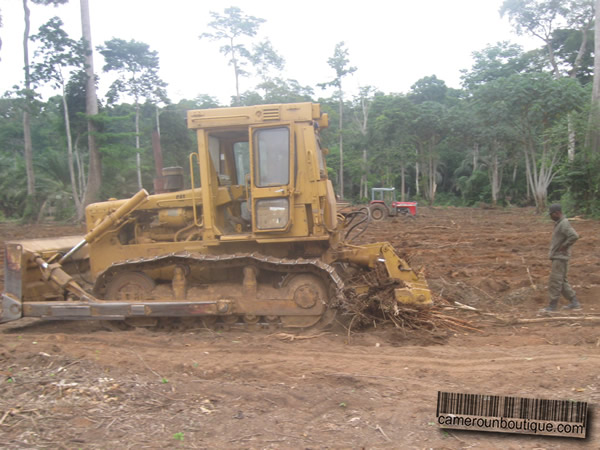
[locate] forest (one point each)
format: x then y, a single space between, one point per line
523 129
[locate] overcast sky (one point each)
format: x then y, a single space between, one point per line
392 43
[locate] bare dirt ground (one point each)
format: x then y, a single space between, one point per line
74 385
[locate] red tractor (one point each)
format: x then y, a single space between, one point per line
383 204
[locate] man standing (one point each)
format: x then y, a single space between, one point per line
563 237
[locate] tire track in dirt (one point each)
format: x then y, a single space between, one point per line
262 359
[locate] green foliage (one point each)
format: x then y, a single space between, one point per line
561 26
265 59
116 145
30 209
278 90
57 56
13 187
567 43
428 89
340 63
494 62
137 68
458 139
177 141
232 27
475 188
581 185
448 199
179 436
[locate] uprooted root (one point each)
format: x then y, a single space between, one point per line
379 306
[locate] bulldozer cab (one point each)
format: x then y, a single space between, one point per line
262 172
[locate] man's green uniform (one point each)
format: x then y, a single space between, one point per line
563 237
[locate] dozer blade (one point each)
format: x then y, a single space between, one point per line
415 290
115 310
416 293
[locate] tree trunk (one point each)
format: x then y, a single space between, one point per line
386 178
592 140
138 160
573 74
475 156
28 152
570 128
236 73
341 149
496 179
363 126
76 198
402 181
571 138
417 173
81 185
540 174
432 184
28 146
527 177
363 178
553 63
157 117
94 181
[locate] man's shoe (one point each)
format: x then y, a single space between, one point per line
573 307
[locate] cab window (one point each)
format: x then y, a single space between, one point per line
272 157
241 154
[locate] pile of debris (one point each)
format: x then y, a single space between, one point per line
378 306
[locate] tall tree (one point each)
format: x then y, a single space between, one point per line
137 67
536 107
59 57
593 134
429 94
265 60
547 20
340 63
28 147
13 185
94 180
361 119
537 18
494 137
392 135
428 89
494 61
430 129
231 27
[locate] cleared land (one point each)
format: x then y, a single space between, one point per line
74 385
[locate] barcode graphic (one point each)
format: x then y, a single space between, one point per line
512 407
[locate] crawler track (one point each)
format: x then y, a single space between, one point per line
281 268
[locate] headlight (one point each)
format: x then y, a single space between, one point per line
272 214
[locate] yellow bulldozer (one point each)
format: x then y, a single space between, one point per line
255 239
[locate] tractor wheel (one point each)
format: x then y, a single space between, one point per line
378 212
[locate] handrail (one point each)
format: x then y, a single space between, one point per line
192 155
